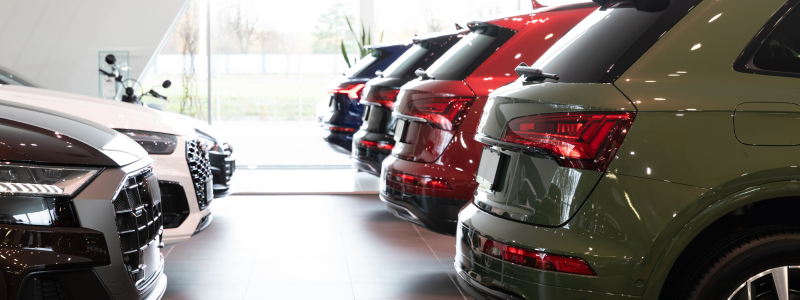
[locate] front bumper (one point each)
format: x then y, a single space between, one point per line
222 167
173 168
436 214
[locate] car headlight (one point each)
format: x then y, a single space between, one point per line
154 143
41 195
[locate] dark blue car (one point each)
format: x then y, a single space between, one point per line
341 118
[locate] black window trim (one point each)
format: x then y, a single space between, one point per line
677 10
744 63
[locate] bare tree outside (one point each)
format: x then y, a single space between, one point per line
432 24
189 33
242 20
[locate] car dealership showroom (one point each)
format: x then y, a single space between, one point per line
400 150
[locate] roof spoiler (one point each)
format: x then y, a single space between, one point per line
640 5
386 45
537 5
430 36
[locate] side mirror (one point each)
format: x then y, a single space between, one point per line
111 59
166 84
129 91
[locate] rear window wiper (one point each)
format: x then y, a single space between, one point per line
533 74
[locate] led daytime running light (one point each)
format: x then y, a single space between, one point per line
30 188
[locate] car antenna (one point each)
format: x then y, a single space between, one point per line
533 74
458 27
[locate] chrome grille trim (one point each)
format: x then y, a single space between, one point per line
200 169
137 212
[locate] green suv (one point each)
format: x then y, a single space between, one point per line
651 153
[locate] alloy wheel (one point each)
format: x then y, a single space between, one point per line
781 283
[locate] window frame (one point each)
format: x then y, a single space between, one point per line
744 63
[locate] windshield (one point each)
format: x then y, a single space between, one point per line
8 78
602 46
466 55
363 64
400 67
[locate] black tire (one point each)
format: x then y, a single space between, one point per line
722 269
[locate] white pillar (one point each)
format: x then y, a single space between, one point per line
366 14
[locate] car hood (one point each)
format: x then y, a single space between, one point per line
198 125
109 113
33 134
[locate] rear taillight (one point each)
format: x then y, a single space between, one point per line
535 259
385 96
420 181
342 129
376 145
442 112
352 90
583 140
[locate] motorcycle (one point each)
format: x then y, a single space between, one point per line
129 85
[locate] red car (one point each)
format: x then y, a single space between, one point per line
431 173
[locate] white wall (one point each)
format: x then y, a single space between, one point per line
55 43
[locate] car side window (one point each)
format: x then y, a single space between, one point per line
781 49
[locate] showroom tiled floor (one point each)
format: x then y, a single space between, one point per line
325 181
311 247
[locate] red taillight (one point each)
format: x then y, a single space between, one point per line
385 96
344 129
442 112
419 181
535 259
583 140
352 90
376 145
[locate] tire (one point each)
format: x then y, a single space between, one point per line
756 255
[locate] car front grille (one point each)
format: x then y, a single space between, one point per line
200 169
138 219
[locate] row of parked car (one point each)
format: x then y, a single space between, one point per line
650 150
92 189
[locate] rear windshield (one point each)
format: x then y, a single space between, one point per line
401 66
466 55
363 64
602 46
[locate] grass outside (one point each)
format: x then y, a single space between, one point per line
250 96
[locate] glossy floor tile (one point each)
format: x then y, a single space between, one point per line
303 181
311 247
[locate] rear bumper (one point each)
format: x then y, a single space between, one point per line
370 159
340 141
436 214
477 290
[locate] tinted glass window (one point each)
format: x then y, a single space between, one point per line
466 55
401 66
781 50
363 64
602 46
453 62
